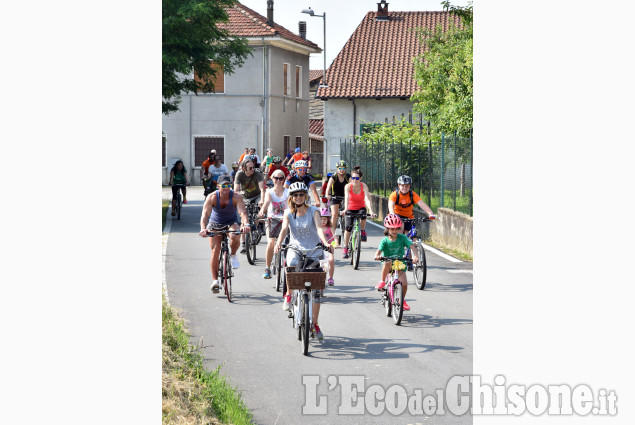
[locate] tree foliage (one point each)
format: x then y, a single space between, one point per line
444 74
192 40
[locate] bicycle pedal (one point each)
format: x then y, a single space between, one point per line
290 316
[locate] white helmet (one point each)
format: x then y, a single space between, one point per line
299 164
298 187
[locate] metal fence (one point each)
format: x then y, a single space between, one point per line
441 171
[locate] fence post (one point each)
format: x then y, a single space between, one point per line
455 171
430 167
442 168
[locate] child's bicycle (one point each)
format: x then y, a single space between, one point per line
392 295
310 277
419 269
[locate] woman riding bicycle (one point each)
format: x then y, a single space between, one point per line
402 201
393 245
178 176
335 187
303 222
275 204
220 211
355 202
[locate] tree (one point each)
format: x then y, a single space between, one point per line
193 38
444 75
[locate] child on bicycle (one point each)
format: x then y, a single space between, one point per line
394 245
325 215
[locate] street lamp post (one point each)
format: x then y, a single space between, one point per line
311 12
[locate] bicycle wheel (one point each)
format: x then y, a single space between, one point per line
306 324
356 250
397 295
351 245
387 301
179 201
419 269
340 226
250 247
297 318
258 234
277 271
227 270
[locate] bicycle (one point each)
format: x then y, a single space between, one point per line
253 237
179 200
209 185
225 272
355 242
339 229
278 264
392 295
310 277
419 269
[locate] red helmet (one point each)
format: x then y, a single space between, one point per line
392 221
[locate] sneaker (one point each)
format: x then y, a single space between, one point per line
330 282
184 201
312 331
243 249
234 260
287 303
215 286
364 236
380 286
406 307
318 332
267 274
345 253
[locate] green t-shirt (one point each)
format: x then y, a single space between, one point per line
178 178
396 248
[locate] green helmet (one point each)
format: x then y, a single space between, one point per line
341 163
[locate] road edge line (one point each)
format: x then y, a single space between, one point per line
164 246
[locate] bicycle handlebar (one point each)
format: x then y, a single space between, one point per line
402 259
218 232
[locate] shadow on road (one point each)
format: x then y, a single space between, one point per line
345 348
426 321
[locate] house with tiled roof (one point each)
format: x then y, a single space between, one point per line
264 104
372 78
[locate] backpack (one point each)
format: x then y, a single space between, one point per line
411 200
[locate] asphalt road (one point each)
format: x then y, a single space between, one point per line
254 342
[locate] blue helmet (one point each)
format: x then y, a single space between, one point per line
297 150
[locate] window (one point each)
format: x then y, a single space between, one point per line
286 76
298 142
298 81
218 80
163 159
287 142
203 146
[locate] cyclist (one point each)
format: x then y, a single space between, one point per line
325 215
214 171
232 174
178 175
335 187
245 153
220 211
275 204
250 184
287 158
277 165
401 202
356 200
266 161
394 245
325 183
254 157
306 158
205 166
300 175
297 156
304 225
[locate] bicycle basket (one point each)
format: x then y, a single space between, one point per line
295 280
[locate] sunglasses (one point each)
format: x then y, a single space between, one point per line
250 168
278 178
298 194
355 178
341 168
225 185
300 169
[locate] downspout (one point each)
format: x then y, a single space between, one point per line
265 117
191 141
354 118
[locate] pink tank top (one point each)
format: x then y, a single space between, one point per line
356 202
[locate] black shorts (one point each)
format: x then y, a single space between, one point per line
349 219
175 190
336 201
407 225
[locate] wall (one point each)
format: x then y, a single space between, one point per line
338 119
450 229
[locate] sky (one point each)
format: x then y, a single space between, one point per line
342 18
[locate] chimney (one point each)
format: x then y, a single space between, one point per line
382 11
302 25
270 13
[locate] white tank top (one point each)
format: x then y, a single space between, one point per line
278 204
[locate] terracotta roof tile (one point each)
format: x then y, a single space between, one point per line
316 128
377 60
315 74
245 22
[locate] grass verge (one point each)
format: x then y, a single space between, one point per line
192 394
453 252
